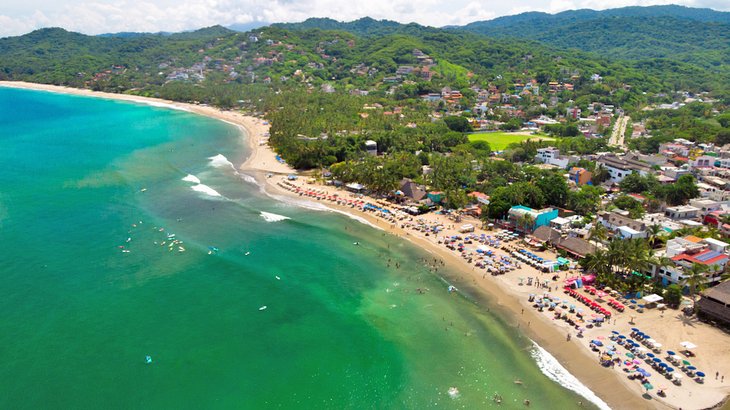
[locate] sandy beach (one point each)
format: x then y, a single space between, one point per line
503 292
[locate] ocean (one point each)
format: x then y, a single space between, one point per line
140 269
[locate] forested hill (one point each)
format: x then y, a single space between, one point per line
459 60
699 36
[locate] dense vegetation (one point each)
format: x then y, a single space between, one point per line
696 36
329 87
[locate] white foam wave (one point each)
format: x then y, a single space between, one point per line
551 368
220 161
205 189
269 217
163 105
319 206
250 179
191 178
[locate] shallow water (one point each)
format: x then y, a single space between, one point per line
85 180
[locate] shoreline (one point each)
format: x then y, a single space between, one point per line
610 386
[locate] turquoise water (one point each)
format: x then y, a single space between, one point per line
84 180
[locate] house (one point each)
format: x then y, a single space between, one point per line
529 219
551 155
436 196
371 147
412 190
480 197
689 250
714 305
703 161
580 176
705 205
575 246
622 225
619 168
682 212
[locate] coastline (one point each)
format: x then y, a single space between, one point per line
500 292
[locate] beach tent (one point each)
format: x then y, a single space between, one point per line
653 298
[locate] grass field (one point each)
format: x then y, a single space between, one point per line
500 140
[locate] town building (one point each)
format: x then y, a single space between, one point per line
551 155
528 219
619 168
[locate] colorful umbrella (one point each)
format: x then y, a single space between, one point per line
700 374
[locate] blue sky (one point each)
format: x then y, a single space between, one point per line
104 16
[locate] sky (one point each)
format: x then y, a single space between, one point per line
110 16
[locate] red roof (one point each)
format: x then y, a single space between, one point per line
703 258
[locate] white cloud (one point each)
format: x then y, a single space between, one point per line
104 16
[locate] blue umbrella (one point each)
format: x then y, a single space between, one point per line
614 332
669 369
700 374
650 354
597 343
663 365
671 353
622 337
656 360
635 329
643 372
691 368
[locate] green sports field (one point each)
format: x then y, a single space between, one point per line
500 140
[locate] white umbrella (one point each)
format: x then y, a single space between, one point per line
688 345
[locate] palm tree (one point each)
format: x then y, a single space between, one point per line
598 232
695 281
525 222
654 232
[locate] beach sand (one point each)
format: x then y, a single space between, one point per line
504 292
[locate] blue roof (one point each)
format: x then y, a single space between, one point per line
707 256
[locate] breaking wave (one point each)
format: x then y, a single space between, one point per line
220 161
269 217
191 178
205 189
551 368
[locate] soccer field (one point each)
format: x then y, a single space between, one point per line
500 140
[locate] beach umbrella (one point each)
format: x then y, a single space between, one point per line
643 372
686 363
597 343
631 355
648 386
650 355
656 360
671 353
663 365
635 329
700 374
691 368
622 337
636 361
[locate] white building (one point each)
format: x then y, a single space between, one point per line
620 168
371 147
551 155
682 212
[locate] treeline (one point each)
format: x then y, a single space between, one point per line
698 122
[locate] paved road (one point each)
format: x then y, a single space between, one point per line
619 130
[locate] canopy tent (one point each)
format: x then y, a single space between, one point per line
653 298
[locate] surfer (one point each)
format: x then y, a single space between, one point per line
148 359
